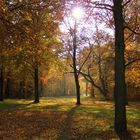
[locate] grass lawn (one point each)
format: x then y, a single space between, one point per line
60 119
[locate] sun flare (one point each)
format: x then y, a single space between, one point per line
77 12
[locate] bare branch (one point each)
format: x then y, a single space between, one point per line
100 5
85 60
128 37
126 3
132 61
131 30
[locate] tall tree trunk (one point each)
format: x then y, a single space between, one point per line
8 87
36 90
91 90
1 84
77 89
120 87
22 89
103 89
41 88
76 76
86 88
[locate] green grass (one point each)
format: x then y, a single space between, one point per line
95 115
100 108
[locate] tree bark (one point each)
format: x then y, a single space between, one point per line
91 88
36 85
77 89
86 88
76 76
120 87
1 84
22 89
103 89
8 87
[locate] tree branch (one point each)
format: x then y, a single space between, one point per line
131 30
100 5
126 3
85 61
131 62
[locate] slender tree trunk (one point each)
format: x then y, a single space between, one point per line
103 89
8 87
22 89
120 87
76 77
104 92
91 89
41 88
86 88
76 82
1 84
36 90
77 89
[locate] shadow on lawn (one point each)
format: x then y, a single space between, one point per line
88 133
65 131
12 105
70 132
15 105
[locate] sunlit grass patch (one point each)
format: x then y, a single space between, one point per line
62 119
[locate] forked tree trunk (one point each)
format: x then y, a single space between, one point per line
36 90
1 84
120 87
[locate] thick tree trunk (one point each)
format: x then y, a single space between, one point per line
120 87
1 84
36 90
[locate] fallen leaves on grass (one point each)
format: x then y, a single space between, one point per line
48 125
61 120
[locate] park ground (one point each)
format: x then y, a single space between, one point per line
58 118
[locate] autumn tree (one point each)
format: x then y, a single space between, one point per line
39 23
73 39
34 25
8 39
120 87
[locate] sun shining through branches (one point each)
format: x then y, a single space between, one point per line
77 13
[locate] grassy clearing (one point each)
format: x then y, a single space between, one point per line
60 119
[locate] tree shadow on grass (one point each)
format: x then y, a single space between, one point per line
46 107
87 133
12 106
65 131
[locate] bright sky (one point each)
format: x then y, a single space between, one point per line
84 28
77 12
